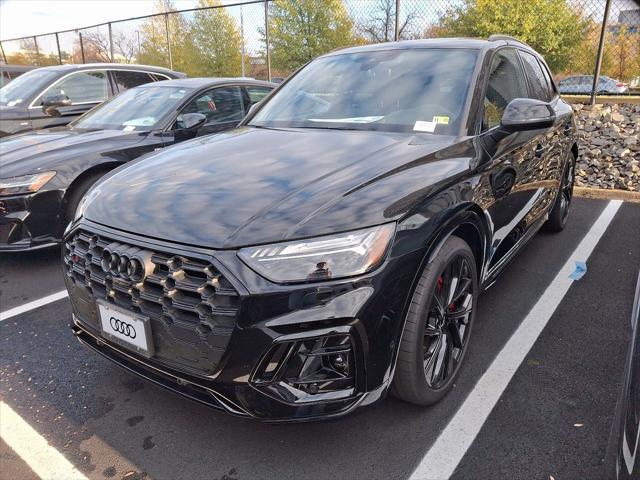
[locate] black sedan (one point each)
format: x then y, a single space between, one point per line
43 174
57 95
332 248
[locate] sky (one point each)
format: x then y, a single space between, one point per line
20 18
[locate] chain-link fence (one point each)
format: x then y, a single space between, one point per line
580 39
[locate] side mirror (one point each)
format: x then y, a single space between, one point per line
527 114
253 107
50 103
190 121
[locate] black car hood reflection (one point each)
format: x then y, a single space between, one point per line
44 150
256 185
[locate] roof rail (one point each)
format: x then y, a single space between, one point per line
499 36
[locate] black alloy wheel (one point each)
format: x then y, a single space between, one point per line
559 214
438 325
447 321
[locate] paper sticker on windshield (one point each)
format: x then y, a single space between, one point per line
129 128
441 119
421 126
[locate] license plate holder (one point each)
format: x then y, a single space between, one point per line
129 330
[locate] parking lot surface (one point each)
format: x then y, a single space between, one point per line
553 419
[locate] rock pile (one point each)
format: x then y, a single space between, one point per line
609 141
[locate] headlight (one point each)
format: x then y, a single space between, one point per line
321 258
24 184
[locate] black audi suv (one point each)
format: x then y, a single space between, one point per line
44 174
54 96
330 249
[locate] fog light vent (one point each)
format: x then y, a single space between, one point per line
302 369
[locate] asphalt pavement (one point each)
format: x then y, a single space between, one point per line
552 420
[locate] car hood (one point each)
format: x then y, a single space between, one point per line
44 150
256 185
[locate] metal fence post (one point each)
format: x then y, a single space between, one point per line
166 31
242 39
396 35
596 74
110 42
4 57
58 45
35 44
266 37
81 47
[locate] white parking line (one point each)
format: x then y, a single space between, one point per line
42 458
453 442
12 312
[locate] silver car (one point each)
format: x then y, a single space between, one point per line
584 83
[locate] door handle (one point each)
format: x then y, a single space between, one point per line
539 151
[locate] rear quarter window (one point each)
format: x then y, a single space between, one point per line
538 83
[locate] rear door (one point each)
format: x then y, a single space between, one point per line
85 89
255 94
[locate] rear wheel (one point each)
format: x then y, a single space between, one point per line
560 211
438 325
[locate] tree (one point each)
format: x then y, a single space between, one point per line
623 53
552 27
300 30
218 41
28 54
153 45
381 26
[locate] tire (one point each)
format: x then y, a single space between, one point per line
415 378
75 195
561 207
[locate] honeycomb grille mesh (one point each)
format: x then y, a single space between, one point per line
192 307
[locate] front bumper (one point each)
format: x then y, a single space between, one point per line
226 369
30 222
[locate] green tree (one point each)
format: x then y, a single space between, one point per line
153 45
300 30
218 41
552 27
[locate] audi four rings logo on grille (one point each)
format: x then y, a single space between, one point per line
130 263
122 327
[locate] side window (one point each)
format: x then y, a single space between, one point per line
82 87
257 93
219 105
126 80
159 76
506 82
537 80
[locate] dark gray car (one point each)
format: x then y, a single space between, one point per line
55 96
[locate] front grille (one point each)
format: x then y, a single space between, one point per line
192 307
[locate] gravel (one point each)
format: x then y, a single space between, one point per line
609 146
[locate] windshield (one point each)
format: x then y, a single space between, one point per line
137 109
414 90
26 86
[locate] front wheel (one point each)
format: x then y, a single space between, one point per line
560 211
438 325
